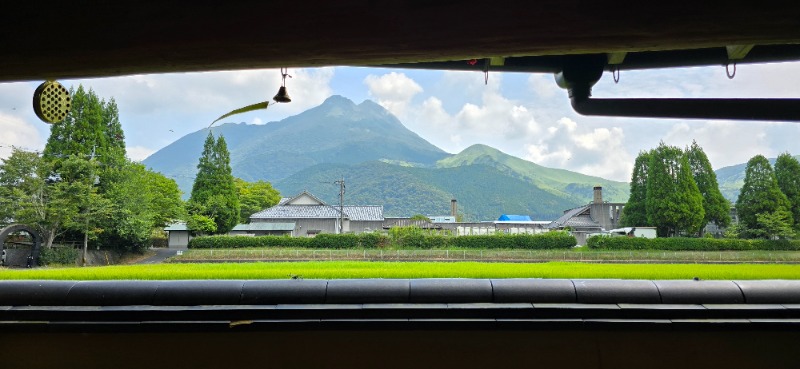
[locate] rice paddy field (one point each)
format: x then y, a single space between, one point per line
368 269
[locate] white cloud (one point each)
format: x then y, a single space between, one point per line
139 153
597 151
544 86
16 132
727 142
393 91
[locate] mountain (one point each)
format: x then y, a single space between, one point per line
337 131
384 163
483 192
731 179
570 185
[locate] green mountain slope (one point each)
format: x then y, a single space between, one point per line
337 131
573 186
384 164
482 191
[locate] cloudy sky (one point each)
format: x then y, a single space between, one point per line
525 115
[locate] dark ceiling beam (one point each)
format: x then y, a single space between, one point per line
40 40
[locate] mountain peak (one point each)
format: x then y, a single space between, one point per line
369 104
338 100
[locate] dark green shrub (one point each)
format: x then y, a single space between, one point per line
549 240
58 256
233 242
373 240
689 244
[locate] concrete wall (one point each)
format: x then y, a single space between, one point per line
607 214
364 226
178 238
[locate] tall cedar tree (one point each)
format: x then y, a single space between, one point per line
91 126
715 206
214 193
634 214
674 204
760 194
787 172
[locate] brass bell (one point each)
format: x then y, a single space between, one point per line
282 96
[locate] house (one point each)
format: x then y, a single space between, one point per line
595 217
179 235
312 216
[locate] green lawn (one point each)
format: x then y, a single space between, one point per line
359 269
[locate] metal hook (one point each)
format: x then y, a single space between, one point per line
284 74
486 71
727 71
615 74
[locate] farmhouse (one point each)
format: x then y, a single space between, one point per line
312 216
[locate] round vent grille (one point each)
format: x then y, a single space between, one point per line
51 102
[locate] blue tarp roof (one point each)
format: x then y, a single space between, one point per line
517 218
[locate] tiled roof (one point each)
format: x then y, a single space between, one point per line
242 227
264 227
352 212
323 211
577 217
365 212
297 211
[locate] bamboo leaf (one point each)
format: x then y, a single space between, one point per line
261 105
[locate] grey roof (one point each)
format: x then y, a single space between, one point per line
176 227
364 212
297 211
264 227
577 217
352 212
242 227
322 211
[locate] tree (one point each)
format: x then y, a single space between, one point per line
777 224
715 206
142 200
760 194
787 173
635 211
420 217
674 202
254 197
214 193
52 204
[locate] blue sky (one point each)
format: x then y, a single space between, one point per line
525 115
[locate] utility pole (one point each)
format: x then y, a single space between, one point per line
341 204
88 204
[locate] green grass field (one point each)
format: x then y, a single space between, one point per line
571 255
358 269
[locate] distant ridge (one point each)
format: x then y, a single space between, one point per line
384 163
731 179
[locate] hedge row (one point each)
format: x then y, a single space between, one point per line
58 256
689 244
551 240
